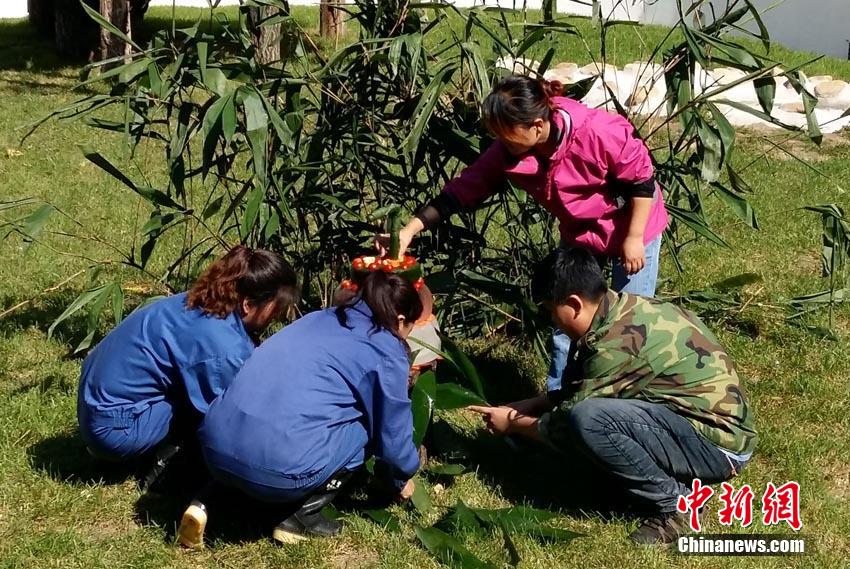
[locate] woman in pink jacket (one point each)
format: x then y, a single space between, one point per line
586 166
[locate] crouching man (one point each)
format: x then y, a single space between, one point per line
648 393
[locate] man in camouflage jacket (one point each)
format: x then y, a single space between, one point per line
648 393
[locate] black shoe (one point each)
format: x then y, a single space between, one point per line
161 459
660 529
300 526
309 521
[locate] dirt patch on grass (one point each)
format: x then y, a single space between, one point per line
347 557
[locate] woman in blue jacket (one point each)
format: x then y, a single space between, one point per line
311 405
153 377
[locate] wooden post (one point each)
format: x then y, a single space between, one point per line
331 24
266 39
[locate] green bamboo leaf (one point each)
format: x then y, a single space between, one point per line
738 204
94 317
525 520
82 300
107 25
446 469
394 55
477 68
513 555
766 92
33 224
252 209
156 197
711 151
448 550
738 183
463 364
695 223
425 108
763 34
823 297
461 518
421 498
257 125
216 82
422 404
117 303
228 119
272 225
213 208
452 396
203 57
724 129
809 104
284 132
384 519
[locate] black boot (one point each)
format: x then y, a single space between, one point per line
660 529
309 521
163 456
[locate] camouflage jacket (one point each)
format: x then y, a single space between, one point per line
647 349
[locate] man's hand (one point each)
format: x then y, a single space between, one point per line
407 492
504 420
533 407
497 419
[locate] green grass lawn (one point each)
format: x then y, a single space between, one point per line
56 510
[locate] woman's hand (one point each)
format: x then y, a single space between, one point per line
407 492
405 236
634 256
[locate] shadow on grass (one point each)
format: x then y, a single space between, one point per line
42 313
234 517
526 472
64 458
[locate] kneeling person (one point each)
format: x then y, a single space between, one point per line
311 405
648 393
148 383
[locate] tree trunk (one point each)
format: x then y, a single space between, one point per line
118 13
266 39
75 32
331 24
41 15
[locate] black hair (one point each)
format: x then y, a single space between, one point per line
388 296
518 100
567 271
257 275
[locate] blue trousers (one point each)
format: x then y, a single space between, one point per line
270 483
653 452
121 434
643 283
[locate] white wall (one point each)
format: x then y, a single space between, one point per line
820 26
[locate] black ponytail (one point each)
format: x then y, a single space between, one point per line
518 100
388 296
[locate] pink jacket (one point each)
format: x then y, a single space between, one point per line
599 147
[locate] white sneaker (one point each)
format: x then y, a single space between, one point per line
191 531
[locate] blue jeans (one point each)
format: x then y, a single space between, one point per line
652 451
643 283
